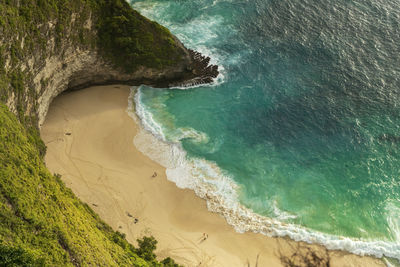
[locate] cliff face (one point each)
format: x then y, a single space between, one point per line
78 68
80 52
47 47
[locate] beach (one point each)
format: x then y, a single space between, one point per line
89 138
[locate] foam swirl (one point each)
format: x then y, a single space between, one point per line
211 183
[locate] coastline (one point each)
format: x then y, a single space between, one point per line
101 165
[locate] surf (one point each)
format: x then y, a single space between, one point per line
298 136
209 182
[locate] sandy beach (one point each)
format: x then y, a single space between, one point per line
89 138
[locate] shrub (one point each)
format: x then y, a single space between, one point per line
147 245
10 256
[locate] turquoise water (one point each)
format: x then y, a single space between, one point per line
303 120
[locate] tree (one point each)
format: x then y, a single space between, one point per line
147 245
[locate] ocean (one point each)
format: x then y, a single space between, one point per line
299 135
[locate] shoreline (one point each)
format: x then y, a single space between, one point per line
209 182
101 165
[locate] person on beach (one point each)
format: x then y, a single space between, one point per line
154 174
205 236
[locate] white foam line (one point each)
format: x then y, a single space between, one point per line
221 193
149 124
214 60
216 82
208 181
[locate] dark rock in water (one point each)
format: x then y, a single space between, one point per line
200 71
93 51
195 69
56 68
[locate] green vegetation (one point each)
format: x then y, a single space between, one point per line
43 223
119 33
26 26
131 40
12 256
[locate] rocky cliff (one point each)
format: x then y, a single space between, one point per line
87 43
47 47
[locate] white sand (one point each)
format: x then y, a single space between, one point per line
99 162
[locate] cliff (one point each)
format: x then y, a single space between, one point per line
42 223
47 47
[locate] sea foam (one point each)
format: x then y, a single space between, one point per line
205 177
211 183
203 27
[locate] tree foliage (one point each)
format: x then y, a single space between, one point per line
42 220
15 256
131 40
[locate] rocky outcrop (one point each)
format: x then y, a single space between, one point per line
193 70
66 64
78 69
201 71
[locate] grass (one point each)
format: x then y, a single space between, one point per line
43 223
130 40
120 34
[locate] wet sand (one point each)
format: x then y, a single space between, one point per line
89 136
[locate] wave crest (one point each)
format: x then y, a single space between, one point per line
209 182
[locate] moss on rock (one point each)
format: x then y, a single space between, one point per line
41 220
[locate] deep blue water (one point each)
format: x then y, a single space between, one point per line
305 116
